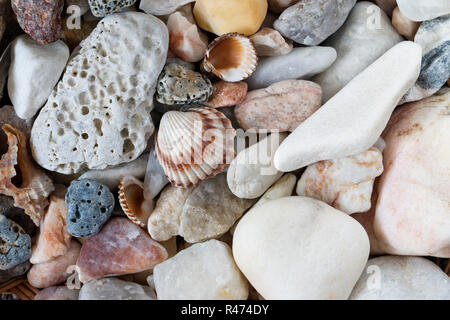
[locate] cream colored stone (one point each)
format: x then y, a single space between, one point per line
269 42
282 188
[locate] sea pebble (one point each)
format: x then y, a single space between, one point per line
89 206
227 94
278 6
354 118
99 113
282 188
282 106
115 289
57 293
401 278
252 172
14 272
345 183
53 239
269 42
162 7
15 244
101 8
434 38
204 271
121 247
358 37
299 63
288 249
403 25
54 272
226 16
310 22
421 10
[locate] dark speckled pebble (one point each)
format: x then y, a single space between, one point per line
15 244
101 8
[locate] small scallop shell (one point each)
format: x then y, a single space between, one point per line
194 145
231 57
132 201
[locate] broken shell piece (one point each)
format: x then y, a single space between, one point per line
231 57
131 199
21 179
194 145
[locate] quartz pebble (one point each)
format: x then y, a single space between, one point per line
227 94
121 247
299 63
57 293
115 289
310 22
162 7
285 249
421 10
402 278
269 42
101 8
403 25
282 106
345 126
346 183
15 244
204 271
278 6
282 188
358 37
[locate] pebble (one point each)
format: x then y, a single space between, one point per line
299 63
53 272
14 272
345 183
434 38
227 16
421 10
29 84
40 19
101 8
282 106
282 188
345 127
310 22
89 206
403 25
204 271
162 7
15 244
252 172
99 113
269 42
285 250
121 247
227 94
278 6
57 293
401 278
115 289
53 239
358 37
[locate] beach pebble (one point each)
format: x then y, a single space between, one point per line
227 94
204 271
226 16
281 106
40 19
310 22
121 247
421 10
346 183
282 188
252 172
403 25
53 272
99 113
15 244
57 293
53 239
89 206
299 63
14 272
162 7
29 84
278 6
288 249
115 289
354 118
101 8
269 42
361 36
401 278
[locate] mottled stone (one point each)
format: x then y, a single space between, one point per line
403 25
269 42
17 271
101 8
227 94
115 289
57 293
421 10
282 106
15 244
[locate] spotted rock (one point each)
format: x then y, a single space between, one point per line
15 244
101 8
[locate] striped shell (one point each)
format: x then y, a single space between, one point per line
131 199
231 57
194 145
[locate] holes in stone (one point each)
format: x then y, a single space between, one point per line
84 98
60 117
103 209
88 184
91 78
98 126
71 82
124 133
128 146
84 136
83 74
60 132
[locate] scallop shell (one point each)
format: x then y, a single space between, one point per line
231 57
132 201
194 145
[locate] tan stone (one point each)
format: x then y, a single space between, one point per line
227 94
269 42
403 25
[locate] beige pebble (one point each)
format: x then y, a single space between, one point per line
227 94
269 42
403 25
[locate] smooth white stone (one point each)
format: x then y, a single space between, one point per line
282 188
115 289
162 7
421 10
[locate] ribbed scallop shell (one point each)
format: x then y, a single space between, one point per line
194 145
132 201
231 57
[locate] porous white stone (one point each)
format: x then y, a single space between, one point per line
421 10
115 289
